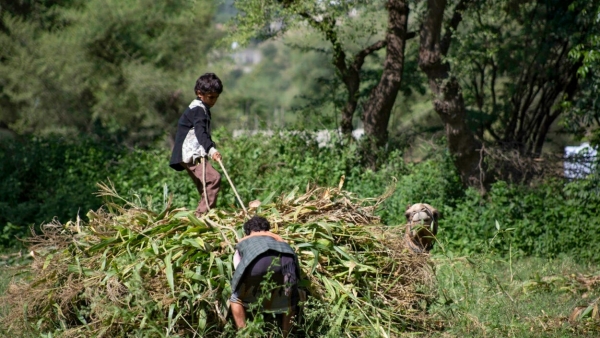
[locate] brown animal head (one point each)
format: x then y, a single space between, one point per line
421 227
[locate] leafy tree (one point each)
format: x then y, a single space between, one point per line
499 70
512 61
20 20
448 101
349 43
43 13
104 67
583 117
281 87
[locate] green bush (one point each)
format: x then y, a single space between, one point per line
41 179
547 220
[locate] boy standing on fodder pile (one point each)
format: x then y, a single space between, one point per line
193 143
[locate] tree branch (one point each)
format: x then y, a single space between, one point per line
327 27
452 25
493 85
359 58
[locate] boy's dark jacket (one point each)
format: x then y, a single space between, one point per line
197 117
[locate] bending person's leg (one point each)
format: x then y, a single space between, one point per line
286 325
239 315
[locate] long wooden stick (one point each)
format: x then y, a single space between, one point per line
233 187
203 160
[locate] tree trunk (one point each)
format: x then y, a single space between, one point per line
349 74
352 82
381 100
448 100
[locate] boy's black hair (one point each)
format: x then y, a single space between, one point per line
256 223
208 83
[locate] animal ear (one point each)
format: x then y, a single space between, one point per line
408 207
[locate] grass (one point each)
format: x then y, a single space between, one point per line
5 278
490 296
487 296
9 259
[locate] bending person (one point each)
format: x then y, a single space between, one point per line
257 254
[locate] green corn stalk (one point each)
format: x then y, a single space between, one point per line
135 271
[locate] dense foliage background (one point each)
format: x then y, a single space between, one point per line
47 178
90 91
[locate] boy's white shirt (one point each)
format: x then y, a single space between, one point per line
191 148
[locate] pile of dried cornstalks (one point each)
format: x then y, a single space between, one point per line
131 272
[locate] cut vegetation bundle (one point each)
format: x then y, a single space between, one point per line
129 271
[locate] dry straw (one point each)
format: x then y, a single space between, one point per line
130 271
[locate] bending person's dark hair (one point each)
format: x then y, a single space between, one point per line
256 223
208 83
